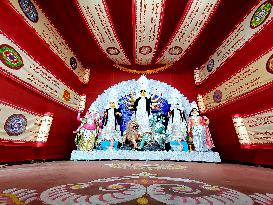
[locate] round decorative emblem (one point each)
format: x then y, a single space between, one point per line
15 124
112 51
210 65
73 63
29 10
261 14
145 50
217 96
66 95
10 57
176 50
269 64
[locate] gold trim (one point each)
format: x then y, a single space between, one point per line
153 71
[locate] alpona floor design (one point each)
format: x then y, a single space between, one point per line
128 182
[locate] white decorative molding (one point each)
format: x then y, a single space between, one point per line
48 33
46 122
147 24
249 27
196 16
82 102
98 20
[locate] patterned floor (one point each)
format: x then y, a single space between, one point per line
125 182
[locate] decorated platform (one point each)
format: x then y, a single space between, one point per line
146 155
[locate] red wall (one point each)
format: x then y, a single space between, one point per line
61 139
221 122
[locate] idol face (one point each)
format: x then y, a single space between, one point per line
95 114
87 114
143 93
194 111
112 105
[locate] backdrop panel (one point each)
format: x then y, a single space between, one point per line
249 27
38 20
21 67
253 78
21 127
255 130
97 18
147 24
192 23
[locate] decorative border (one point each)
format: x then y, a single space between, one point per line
253 92
9 75
252 114
4 102
44 42
134 23
236 51
181 21
90 30
20 142
153 71
264 146
113 28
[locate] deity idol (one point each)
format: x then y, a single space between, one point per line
177 124
199 131
111 125
89 129
131 136
142 106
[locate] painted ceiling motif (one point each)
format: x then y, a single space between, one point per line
148 16
193 21
97 17
145 36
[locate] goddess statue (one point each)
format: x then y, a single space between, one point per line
142 106
177 124
111 124
89 129
199 131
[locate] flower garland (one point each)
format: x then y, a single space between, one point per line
152 71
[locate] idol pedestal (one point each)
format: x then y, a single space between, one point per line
192 156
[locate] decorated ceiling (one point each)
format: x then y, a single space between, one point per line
144 36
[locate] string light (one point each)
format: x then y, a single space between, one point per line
152 71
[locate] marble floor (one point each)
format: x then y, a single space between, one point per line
135 182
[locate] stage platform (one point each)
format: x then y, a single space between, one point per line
146 155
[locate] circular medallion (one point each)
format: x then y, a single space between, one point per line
29 10
112 51
73 63
261 14
269 64
15 124
176 50
210 65
217 96
10 57
145 50
66 95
